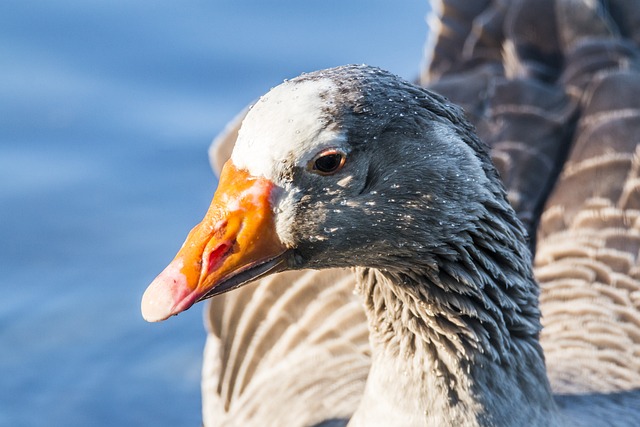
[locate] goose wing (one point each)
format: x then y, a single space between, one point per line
587 261
561 112
297 340
589 235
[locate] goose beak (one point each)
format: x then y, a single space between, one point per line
235 243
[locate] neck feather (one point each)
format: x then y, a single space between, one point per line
455 335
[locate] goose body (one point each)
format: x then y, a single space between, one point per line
355 179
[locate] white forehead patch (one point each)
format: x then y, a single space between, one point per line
285 123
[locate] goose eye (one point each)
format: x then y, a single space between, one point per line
329 162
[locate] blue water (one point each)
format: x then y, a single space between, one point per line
106 112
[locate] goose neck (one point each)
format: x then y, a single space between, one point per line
446 353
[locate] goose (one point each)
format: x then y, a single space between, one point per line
352 178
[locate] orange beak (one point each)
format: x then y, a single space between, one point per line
235 243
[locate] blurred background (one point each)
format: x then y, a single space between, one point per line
107 108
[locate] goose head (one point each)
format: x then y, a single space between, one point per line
345 167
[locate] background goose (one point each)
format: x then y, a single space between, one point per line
451 304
